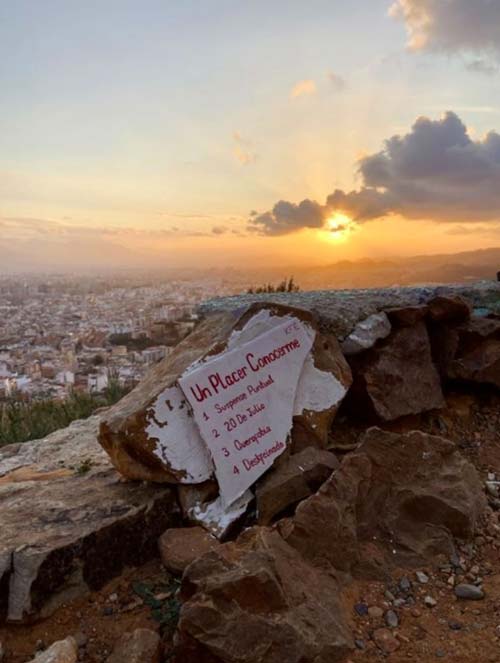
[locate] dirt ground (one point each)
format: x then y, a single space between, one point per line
452 629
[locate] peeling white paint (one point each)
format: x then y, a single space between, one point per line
178 441
317 390
216 517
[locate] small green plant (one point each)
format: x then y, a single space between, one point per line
161 596
285 286
84 467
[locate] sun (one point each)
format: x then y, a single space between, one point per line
337 228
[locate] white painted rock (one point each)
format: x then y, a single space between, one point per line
151 433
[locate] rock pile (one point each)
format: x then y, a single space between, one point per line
263 578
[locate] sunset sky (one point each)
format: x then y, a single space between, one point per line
214 132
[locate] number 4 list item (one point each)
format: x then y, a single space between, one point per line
243 403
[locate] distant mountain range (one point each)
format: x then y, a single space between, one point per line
443 268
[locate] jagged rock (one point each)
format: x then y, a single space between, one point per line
69 522
397 377
366 333
400 498
259 603
477 352
291 481
448 309
63 651
139 646
406 316
150 434
181 546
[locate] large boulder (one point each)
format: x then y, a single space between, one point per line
151 434
399 499
259 602
397 377
69 522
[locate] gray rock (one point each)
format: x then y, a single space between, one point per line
69 522
366 333
469 592
430 602
405 584
422 577
391 619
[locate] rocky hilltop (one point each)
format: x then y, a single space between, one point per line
371 527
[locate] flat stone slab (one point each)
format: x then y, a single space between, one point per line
339 311
69 522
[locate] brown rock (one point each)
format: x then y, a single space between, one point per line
406 316
181 546
150 434
385 641
262 604
326 380
293 480
448 309
382 512
196 495
477 357
397 378
139 646
63 651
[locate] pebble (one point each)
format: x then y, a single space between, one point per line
440 653
451 581
107 611
404 584
422 577
375 612
469 592
391 619
113 597
454 626
389 596
360 644
399 603
361 609
430 602
384 639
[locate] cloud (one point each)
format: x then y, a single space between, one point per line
303 88
434 172
338 83
287 217
482 66
450 26
243 149
219 230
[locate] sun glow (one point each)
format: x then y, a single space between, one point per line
337 228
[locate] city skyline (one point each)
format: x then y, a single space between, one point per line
210 134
